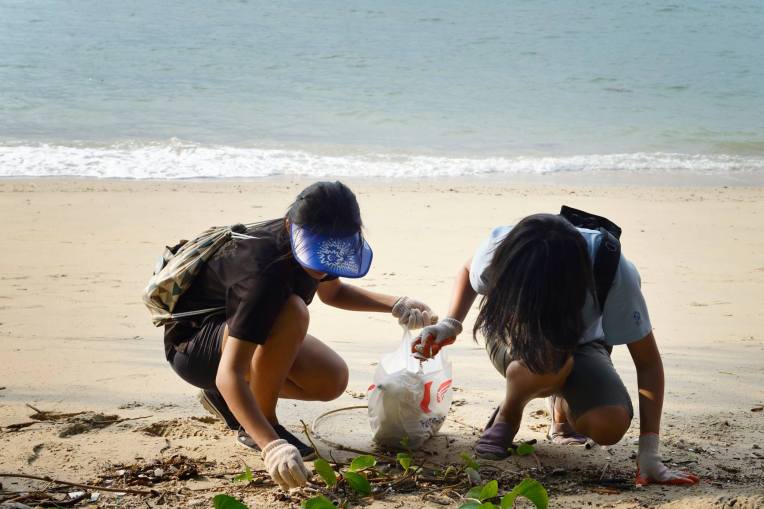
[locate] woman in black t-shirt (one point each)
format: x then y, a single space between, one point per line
257 349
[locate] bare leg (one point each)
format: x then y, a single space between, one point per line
522 386
273 361
295 365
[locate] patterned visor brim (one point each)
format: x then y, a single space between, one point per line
349 256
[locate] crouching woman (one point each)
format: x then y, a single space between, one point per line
548 336
257 349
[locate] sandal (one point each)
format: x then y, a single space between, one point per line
493 443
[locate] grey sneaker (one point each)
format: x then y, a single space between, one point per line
213 402
242 438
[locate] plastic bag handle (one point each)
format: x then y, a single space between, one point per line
407 341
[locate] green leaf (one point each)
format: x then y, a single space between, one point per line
469 461
319 502
226 502
325 471
405 442
489 490
474 493
405 460
245 476
362 462
530 489
359 483
524 449
477 505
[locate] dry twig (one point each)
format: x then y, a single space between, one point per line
83 486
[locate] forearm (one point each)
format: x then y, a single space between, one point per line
650 382
463 295
353 298
238 395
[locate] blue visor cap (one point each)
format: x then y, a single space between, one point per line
342 256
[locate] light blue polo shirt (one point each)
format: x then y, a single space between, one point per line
624 318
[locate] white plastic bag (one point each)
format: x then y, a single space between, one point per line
408 399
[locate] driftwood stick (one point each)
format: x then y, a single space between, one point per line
84 486
20 425
35 409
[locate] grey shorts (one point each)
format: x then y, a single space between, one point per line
592 383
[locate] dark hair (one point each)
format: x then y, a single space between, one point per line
326 208
538 281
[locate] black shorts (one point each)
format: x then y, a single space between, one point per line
592 383
196 360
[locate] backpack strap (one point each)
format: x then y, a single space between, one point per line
605 265
590 221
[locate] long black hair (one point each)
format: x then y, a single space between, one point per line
538 280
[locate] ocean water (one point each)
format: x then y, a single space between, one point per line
177 89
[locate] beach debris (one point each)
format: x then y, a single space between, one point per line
62 496
45 415
758 408
87 421
175 468
75 422
20 425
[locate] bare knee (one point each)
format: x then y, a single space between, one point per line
335 383
605 425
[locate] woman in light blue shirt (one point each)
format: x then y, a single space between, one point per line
548 336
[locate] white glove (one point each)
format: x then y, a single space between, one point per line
412 313
284 463
429 342
650 468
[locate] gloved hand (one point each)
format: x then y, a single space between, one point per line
284 464
650 468
412 313
429 342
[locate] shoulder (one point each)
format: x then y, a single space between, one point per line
483 256
244 257
593 240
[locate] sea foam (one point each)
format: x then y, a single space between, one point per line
182 160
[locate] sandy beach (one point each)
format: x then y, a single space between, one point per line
75 336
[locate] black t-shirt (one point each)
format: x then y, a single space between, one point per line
252 278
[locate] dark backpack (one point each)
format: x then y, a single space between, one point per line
609 253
